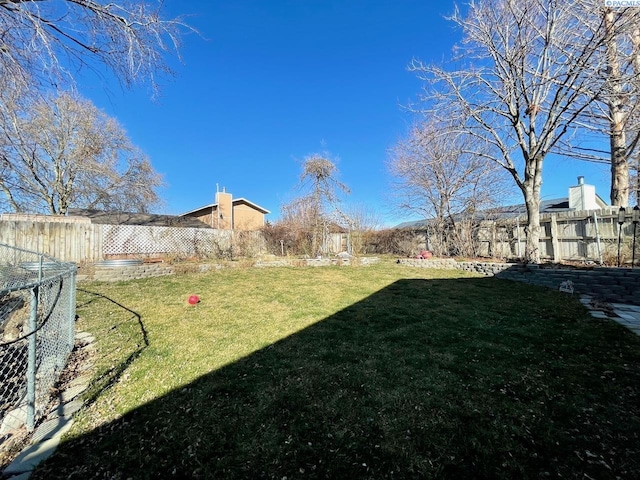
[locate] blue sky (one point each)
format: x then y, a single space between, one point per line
267 83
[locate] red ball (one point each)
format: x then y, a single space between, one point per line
193 299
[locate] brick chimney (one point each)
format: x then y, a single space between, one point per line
225 210
582 196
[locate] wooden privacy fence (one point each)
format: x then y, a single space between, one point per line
69 239
74 239
578 235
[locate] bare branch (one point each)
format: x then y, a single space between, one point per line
48 41
61 152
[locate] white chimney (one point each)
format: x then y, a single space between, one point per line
583 196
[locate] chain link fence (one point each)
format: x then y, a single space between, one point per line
37 319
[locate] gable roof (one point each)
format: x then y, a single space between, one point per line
132 218
234 202
251 204
510 211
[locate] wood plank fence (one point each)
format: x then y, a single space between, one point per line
577 235
76 239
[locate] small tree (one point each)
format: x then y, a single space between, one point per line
306 220
436 175
61 152
615 115
320 198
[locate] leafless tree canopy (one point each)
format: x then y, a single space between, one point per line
317 208
61 152
434 174
319 176
44 41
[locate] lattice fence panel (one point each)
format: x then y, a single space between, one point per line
150 241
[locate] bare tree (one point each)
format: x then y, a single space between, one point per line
524 74
306 220
61 152
362 221
41 41
319 180
616 114
435 175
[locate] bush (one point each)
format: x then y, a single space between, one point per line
282 239
393 242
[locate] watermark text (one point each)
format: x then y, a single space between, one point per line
622 3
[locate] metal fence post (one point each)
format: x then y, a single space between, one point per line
621 219
31 362
72 308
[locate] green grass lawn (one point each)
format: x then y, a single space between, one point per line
348 373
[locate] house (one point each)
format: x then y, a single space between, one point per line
229 213
569 229
582 197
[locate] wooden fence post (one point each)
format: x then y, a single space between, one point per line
555 243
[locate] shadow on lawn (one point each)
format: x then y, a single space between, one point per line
109 377
423 379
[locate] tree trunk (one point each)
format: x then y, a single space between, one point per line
531 191
532 231
619 173
635 41
618 140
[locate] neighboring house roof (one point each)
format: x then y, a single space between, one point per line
251 204
132 218
510 211
234 202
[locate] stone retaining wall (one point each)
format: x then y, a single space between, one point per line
615 285
438 263
486 268
133 272
317 262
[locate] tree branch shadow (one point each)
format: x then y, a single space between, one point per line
107 379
